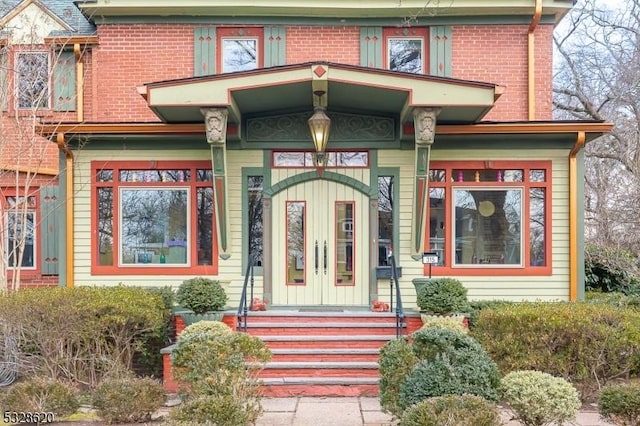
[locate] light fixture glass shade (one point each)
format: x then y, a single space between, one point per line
319 125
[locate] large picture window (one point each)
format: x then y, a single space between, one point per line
160 217
490 215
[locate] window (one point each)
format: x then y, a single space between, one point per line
385 218
490 215
32 82
301 159
159 217
240 49
406 49
255 222
20 232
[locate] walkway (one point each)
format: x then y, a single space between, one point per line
352 411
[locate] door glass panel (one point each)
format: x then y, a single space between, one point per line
295 242
345 230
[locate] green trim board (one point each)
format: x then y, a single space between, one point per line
371 47
275 46
63 175
314 175
395 173
218 167
440 51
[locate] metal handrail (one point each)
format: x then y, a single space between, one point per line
243 308
393 283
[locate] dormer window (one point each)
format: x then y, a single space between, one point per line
32 80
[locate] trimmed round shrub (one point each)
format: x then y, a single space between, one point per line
201 295
453 322
539 398
620 403
458 410
41 394
396 362
216 410
210 328
431 343
588 344
443 296
457 372
128 399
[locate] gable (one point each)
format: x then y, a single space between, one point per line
30 23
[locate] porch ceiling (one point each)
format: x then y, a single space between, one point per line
348 88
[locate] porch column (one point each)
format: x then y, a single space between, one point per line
424 123
215 120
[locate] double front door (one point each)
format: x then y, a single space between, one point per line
320 245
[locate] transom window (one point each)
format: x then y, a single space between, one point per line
153 217
406 49
32 79
20 232
240 49
302 159
490 215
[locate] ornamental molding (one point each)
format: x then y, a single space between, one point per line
344 127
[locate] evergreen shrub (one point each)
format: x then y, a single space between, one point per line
620 403
452 410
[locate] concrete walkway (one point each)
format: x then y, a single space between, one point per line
355 411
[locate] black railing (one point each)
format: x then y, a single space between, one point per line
395 285
243 308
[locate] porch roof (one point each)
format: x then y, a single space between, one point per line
291 88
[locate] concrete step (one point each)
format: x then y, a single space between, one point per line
327 354
325 341
320 327
334 369
320 386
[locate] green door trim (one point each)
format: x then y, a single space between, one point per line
326 175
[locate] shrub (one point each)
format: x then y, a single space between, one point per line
452 410
128 399
216 410
396 361
41 394
457 372
588 344
476 306
538 398
431 343
454 322
620 404
100 329
609 269
201 295
443 296
218 372
210 328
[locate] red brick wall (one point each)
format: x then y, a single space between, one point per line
333 44
499 54
129 56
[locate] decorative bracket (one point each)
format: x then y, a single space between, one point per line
215 120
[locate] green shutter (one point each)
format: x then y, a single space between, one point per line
371 47
4 81
64 82
50 211
204 51
274 46
440 51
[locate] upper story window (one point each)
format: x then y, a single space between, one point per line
240 49
406 49
32 80
302 159
490 216
157 219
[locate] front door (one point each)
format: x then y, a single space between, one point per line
320 245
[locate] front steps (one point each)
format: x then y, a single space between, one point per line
324 353
318 353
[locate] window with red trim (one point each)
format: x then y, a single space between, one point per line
20 231
335 159
407 49
490 215
153 216
239 49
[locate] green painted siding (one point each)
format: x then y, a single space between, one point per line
204 51
440 51
51 209
275 48
371 47
64 82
